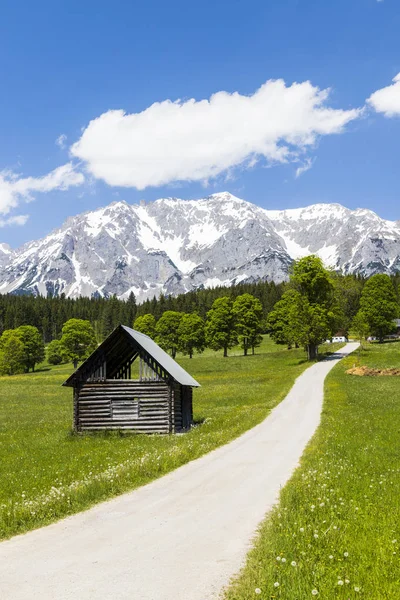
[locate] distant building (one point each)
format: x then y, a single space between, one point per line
397 323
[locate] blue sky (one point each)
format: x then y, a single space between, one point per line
67 65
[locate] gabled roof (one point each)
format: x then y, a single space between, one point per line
163 359
149 346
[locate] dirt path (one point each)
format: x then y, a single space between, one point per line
181 537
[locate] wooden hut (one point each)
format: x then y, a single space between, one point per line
105 396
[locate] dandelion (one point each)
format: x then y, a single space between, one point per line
347 580
278 558
283 560
316 535
314 593
257 591
331 556
276 584
345 554
302 529
356 589
293 563
340 582
394 541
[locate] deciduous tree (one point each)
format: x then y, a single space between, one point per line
220 326
191 334
78 340
11 353
247 312
33 346
167 331
307 314
55 353
146 324
379 305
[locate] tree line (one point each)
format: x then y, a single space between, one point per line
227 324
50 313
318 304
314 305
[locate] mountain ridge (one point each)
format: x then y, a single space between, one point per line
172 245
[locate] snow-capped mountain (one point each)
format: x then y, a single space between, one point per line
6 254
173 246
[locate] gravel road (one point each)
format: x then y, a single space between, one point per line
181 537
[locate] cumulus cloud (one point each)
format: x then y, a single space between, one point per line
387 99
306 166
17 220
199 140
14 189
61 141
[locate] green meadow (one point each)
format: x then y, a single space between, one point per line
46 472
336 530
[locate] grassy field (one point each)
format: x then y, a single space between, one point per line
46 472
336 531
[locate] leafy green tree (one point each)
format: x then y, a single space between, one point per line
11 353
167 331
379 305
313 281
279 321
311 325
220 326
33 346
146 324
308 313
360 327
55 353
347 292
248 313
78 340
191 334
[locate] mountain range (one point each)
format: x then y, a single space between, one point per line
171 246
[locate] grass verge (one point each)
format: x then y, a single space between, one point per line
47 473
336 531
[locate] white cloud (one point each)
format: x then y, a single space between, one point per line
198 140
387 99
306 166
14 189
61 141
17 220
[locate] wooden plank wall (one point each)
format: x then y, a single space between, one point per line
177 408
124 404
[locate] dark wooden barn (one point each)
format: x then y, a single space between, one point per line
106 397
